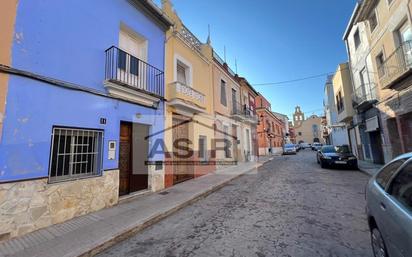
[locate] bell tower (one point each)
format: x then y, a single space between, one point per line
298 117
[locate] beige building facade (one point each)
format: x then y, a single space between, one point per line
389 32
7 19
307 130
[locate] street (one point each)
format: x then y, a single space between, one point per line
291 207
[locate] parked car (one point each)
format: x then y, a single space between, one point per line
330 155
389 208
316 146
289 149
297 146
304 145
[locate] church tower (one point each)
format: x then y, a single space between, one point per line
298 117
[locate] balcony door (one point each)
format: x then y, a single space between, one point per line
405 37
133 52
234 102
367 91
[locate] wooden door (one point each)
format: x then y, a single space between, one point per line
181 170
125 157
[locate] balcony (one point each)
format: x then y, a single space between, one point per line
397 66
243 113
132 79
186 98
364 97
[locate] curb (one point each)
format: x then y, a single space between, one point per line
155 219
364 171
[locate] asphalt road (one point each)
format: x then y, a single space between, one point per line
290 207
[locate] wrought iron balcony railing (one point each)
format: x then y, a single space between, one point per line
128 70
364 94
243 110
397 65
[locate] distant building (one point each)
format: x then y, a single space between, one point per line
270 129
285 120
334 133
292 133
307 130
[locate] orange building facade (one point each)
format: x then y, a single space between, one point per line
270 128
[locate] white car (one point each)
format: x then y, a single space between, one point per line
304 145
289 149
316 146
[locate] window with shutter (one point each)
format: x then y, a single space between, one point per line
223 99
181 73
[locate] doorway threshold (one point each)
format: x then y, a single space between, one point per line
134 195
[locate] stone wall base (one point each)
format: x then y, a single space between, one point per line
27 206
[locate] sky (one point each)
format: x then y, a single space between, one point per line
275 41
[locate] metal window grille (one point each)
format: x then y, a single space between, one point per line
75 153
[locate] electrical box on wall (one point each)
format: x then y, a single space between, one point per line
112 150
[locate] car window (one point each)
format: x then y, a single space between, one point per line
386 173
401 187
343 149
328 149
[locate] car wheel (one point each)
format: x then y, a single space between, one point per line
322 164
317 160
378 245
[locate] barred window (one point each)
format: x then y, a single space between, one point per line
75 153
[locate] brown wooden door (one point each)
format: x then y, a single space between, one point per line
181 170
125 157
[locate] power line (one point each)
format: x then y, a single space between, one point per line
296 80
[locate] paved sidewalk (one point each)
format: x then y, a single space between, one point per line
89 234
369 168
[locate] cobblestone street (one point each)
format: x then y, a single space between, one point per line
291 207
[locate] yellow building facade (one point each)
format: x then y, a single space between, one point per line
7 19
342 88
189 112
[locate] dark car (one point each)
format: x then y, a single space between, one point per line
389 208
330 155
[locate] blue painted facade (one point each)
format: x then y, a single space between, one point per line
66 40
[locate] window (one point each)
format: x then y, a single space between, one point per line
373 21
223 99
134 47
299 133
181 73
380 64
226 137
339 102
401 188
235 107
202 147
356 39
386 173
75 153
